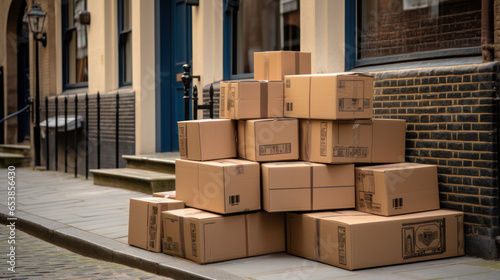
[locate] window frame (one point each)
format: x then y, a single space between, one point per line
122 38
352 45
228 44
65 46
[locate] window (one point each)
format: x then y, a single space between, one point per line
75 44
399 30
125 42
257 25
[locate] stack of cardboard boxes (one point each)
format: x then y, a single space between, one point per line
271 123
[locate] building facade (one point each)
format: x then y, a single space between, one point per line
435 64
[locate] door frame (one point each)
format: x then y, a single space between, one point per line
165 76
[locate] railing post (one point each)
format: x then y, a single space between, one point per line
47 131
186 80
66 134
117 129
86 136
56 133
195 103
211 102
98 131
76 135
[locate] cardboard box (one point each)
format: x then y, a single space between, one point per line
251 100
394 189
206 237
167 194
207 139
337 96
222 186
268 139
144 226
274 65
354 240
305 186
355 141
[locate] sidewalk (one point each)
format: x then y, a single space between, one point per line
93 220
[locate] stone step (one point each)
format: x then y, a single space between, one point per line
15 149
12 159
146 181
161 162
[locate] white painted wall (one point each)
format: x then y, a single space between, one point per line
322 32
207 43
143 72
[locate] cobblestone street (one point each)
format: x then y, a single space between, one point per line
37 259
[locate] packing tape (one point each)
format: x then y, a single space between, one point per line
266 66
317 240
182 245
246 235
264 97
308 133
356 134
297 63
311 186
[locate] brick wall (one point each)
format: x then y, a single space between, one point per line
451 122
496 35
108 131
387 29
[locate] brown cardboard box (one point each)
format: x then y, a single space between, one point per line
222 186
167 194
394 189
355 141
337 96
305 186
268 139
251 100
144 226
207 139
206 237
274 65
354 240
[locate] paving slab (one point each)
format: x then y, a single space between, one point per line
95 223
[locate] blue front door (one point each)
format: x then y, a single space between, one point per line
173 49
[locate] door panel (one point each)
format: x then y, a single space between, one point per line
173 49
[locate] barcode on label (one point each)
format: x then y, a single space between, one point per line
234 200
397 203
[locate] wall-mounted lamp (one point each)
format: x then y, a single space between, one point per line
84 17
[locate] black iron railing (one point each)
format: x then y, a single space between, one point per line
80 133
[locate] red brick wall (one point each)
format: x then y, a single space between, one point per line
393 31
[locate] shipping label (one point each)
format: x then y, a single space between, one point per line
342 245
192 231
323 139
223 101
275 149
351 104
350 152
152 226
423 238
182 140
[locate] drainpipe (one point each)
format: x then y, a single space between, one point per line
487 46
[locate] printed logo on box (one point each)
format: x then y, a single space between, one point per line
342 245
275 149
323 139
192 229
350 152
423 238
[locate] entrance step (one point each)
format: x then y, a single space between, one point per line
12 159
161 162
146 181
15 149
